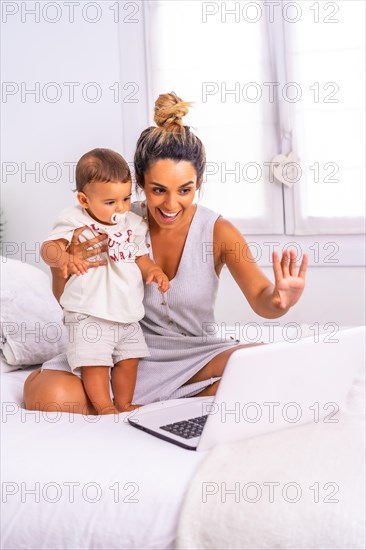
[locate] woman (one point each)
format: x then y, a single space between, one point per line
185 358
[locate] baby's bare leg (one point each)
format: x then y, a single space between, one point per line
96 384
123 379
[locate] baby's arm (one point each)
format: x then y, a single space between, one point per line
152 272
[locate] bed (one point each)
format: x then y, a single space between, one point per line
71 481
78 482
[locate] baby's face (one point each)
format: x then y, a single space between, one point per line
103 199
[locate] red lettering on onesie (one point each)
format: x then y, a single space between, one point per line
115 253
93 226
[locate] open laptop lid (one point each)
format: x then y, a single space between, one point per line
282 385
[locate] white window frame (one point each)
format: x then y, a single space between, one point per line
295 222
325 248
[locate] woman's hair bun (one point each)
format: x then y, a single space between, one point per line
169 111
170 139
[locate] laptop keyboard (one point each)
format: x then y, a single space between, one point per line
187 429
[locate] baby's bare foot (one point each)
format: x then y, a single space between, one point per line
126 408
111 409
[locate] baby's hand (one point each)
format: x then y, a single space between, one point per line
155 274
73 266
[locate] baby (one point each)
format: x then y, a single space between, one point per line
103 306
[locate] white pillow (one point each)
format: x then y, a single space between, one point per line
31 318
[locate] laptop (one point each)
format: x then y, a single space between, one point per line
263 389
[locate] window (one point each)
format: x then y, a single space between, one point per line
327 62
270 81
236 61
218 66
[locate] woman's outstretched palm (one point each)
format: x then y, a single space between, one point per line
288 285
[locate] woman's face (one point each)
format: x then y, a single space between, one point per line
170 188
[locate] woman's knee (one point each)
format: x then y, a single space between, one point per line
56 390
29 385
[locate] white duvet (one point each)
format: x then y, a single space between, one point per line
69 481
299 489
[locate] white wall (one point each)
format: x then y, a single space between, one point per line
55 133
37 130
332 295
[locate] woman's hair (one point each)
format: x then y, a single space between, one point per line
170 139
101 165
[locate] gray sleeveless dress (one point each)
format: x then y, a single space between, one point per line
178 326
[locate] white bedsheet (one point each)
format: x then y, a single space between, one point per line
128 490
138 483
50 452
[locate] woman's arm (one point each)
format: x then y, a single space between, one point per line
58 283
266 299
54 256
72 257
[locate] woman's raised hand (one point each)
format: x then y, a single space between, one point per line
81 252
288 286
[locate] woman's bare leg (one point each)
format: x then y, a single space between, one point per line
56 390
210 390
62 391
216 366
